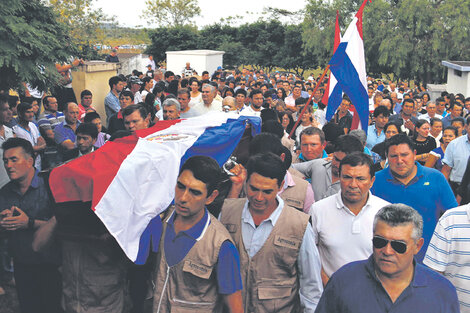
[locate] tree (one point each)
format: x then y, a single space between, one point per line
31 42
292 55
171 12
172 39
83 21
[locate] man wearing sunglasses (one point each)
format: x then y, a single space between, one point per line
390 280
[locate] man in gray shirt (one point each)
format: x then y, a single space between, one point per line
324 173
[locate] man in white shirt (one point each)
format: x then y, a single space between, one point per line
431 109
254 109
343 222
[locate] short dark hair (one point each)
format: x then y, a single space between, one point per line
205 169
458 119
358 159
381 109
265 142
267 165
348 144
23 107
135 107
398 140
393 124
312 131
4 98
87 129
273 127
255 92
435 120
45 101
15 142
90 116
114 81
409 100
126 93
452 128
240 91
85 92
268 115
169 73
453 104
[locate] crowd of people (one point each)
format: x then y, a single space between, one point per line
309 216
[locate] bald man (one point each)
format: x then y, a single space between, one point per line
64 133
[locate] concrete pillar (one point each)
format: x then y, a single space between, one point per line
94 76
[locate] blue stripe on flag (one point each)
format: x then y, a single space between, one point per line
219 142
348 78
334 101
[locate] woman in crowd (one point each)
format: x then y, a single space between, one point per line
436 155
196 96
378 97
287 121
422 141
227 92
390 129
305 121
279 103
147 85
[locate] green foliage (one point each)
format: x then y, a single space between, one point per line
171 12
31 42
84 24
262 44
172 39
407 38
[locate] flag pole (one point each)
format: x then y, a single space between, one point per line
309 100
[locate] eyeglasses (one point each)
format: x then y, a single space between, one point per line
398 246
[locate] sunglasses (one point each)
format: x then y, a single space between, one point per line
398 246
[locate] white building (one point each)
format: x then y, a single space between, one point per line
200 60
458 77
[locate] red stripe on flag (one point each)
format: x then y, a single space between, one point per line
87 178
336 43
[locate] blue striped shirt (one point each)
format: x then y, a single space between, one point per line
449 251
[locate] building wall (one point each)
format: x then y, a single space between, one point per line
458 84
200 61
94 76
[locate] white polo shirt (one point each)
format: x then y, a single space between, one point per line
341 236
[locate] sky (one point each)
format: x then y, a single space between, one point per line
128 12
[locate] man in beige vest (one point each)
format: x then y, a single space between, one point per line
198 266
295 191
280 264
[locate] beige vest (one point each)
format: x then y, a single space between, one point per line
191 285
270 279
294 196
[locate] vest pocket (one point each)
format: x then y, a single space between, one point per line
184 306
273 298
267 293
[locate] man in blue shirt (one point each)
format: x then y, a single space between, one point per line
375 132
111 101
199 266
390 280
406 181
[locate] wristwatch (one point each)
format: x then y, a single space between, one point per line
31 223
